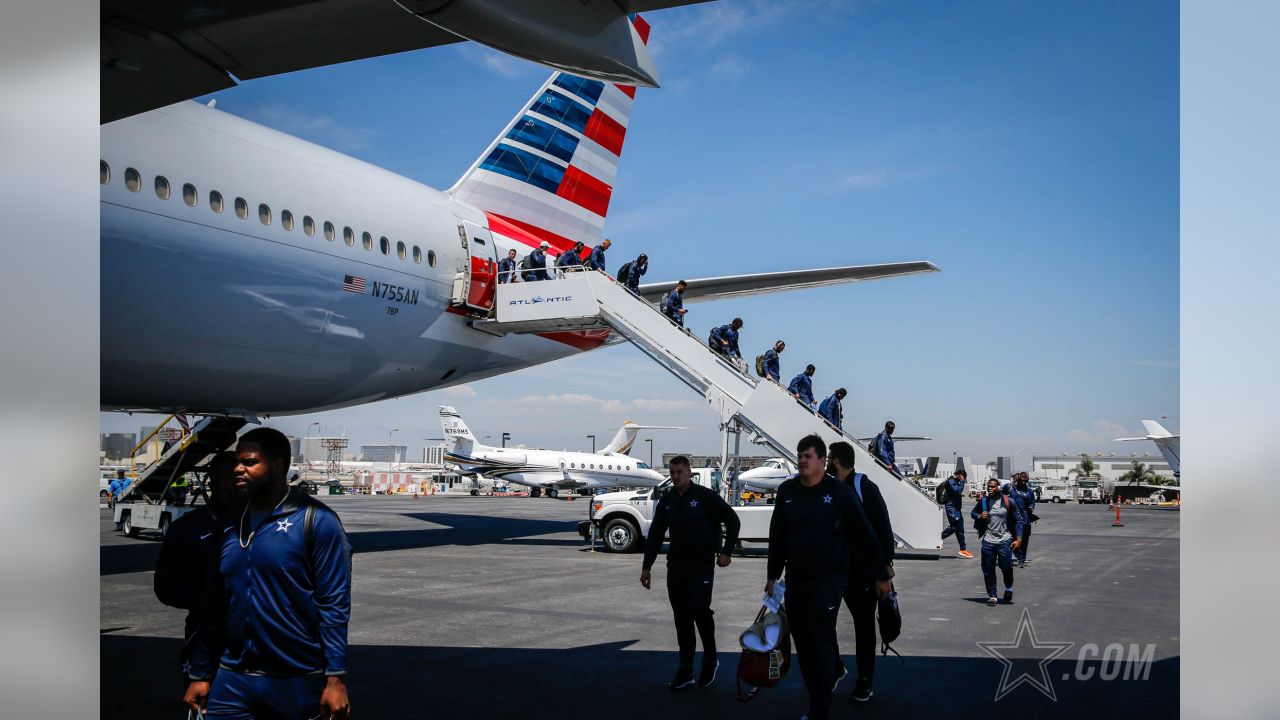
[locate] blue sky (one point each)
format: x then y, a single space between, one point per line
1030 150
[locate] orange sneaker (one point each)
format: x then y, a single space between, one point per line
965 554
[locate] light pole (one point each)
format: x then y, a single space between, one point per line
505 437
650 441
391 448
593 444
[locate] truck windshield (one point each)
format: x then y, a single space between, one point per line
1088 483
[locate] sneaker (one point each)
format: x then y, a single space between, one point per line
683 679
861 691
708 674
1008 597
965 554
1024 563
991 601
840 675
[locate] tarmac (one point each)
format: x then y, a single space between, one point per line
496 608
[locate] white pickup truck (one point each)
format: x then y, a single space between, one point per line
623 518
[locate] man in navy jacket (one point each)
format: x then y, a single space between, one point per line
673 304
596 259
833 410
802 386
278 602
772 366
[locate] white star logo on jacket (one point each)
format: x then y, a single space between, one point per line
826 499
283 525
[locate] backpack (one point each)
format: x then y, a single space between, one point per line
624 273
980 523
940 493
760 365
889 618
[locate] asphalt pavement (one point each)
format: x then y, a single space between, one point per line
495 608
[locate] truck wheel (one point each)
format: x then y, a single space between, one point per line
1056 499
126 521
553 493
475 493
620 535
103 493
535 492
164 525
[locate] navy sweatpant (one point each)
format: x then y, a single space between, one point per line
236 696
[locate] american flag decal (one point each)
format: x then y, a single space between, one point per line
352 283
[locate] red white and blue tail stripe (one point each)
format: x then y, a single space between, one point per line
550 175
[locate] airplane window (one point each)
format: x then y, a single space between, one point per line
417 254
132 180
308 225
348 236
104 172
162 187
593 466
328 230
573 466
215 201
189 195
286 219
385 245
401 252
242 208
431 258
366 240
264 214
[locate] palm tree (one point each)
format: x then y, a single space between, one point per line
1086 468
1138 474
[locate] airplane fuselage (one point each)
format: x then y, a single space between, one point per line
551 469
214 299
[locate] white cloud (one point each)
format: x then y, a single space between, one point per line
1099 432
496 62
322 129
460 391
731 67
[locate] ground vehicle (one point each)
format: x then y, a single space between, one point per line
623 518
1088 491
1054 491
135 517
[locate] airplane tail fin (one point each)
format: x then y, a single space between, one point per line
457 436
626 437
1155 429
550 174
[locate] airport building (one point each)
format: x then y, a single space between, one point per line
383 453
745 462
117 446
314 451
1110 466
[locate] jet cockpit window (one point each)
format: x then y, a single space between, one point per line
385 245
215 201
329 232
308 225
264 214
367 240
401 251
417 254
286 219
104 172
132 180
642 465
189 195
348 236
242 208
162 187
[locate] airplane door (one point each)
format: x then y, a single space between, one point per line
482 270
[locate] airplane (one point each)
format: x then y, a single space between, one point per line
768 476
155 54
548 471
248 273
1170 445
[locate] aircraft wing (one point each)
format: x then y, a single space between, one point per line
727 286
156 53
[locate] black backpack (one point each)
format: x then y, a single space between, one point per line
624 272
940 493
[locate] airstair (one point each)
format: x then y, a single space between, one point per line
209 435
589 300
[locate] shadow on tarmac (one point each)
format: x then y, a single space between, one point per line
139 680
